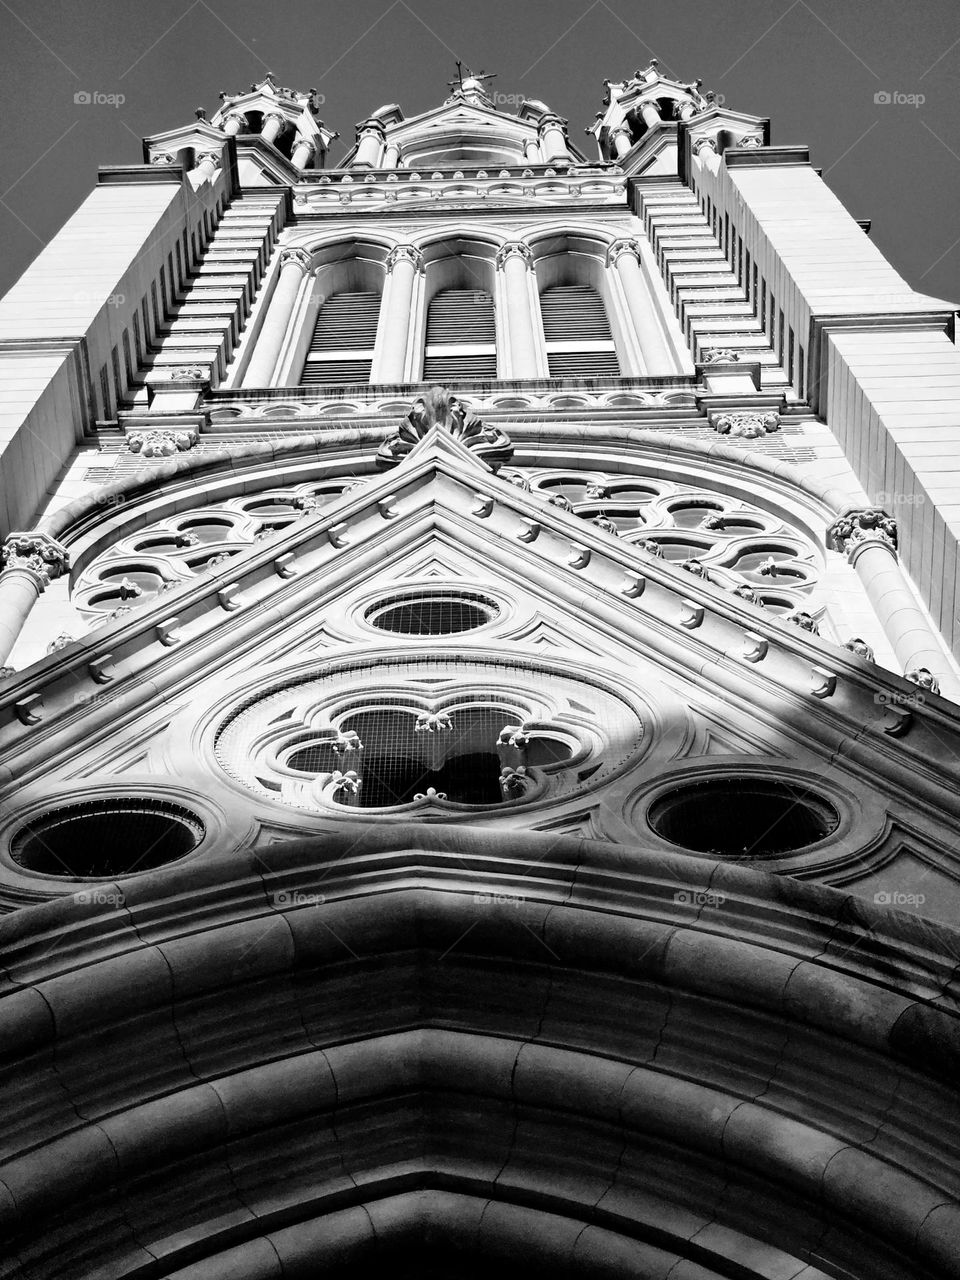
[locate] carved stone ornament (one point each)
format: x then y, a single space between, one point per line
704 144
860 648
605 524
747 425
620 247
214 157
751 142
514 248
651 547
438 407
405 253
747 593
857 527
295 257
7 672
188 373
37 553
163 157
720 355
162 444
924 678
805 621
696 567
61 642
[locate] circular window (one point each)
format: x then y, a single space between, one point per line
431 613
742 817
106 838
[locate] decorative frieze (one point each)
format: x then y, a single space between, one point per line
746 425
161 444
855 528
35 553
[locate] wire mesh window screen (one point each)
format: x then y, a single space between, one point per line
106 838
432 614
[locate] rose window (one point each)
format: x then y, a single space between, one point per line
447 734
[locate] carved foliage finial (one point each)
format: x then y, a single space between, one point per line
438 407
854 528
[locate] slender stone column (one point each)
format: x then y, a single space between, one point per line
30 561
273 125
303 152
650 114
868 538
657 357
391 156
514 260
706 151
233 124
294 264
404 264
553 140
208 163
621 140
370 139
532 153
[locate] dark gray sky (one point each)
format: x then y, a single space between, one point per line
814 68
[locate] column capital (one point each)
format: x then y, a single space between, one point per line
281 119
619 247
405 253
371 126
750 142
855 530
297 257
234 117
305 144
704 144
513 248
37 554
210 157
551 121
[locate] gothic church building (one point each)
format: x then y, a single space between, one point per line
479 726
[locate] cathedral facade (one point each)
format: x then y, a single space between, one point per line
479 724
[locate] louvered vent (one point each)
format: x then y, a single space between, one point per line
341 349
461 336
577 333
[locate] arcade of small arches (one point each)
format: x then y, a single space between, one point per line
558 303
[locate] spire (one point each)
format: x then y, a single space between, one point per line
470 86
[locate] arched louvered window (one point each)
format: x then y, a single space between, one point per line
577 332
461 336
341 349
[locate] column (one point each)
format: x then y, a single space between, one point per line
233 124
531 152
391 157
294 265
30 561
868 538
273 125
208 162
649 114
370 140
621 139
404 264
657 356
303 152
705 149
553 140
515 260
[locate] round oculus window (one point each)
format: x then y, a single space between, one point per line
743 817
432 613
106 838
